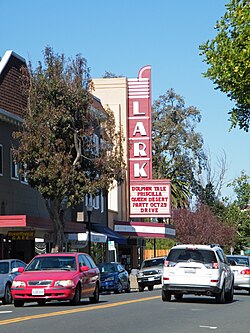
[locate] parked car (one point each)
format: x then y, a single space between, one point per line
57 276
114 277
150 273
240 266
197 270
8 271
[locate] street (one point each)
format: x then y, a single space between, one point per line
130 313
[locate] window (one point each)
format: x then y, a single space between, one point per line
1 160
96 143
96 201
23 174
102 203
14 168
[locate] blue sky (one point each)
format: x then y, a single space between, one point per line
121 37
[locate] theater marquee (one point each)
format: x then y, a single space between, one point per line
148 197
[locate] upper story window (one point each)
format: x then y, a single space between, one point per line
23 175
14 168
96 143
1 160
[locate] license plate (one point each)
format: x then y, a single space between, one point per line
38 292
151 279
190 271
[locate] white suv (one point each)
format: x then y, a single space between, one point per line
197 270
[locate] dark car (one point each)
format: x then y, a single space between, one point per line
114 277
8 271
57 276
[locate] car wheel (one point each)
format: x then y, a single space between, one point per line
220 298
77 297
229 296
127 290
41 303
166 296
178 297
141 287
95 298
7 299
18 303
150 288
118 290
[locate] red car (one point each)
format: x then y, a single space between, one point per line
57 276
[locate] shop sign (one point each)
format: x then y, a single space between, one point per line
21 235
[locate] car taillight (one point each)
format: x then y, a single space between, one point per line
169 263
215 281
245 272
166 279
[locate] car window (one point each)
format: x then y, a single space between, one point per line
52 262
152 262
92 263
108 268
220 255
4 267
238 260
200 255
83 261
13 264
20 263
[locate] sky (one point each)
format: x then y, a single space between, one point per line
121 36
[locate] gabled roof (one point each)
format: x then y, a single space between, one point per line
4 61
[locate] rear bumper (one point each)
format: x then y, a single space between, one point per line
149 281
192 289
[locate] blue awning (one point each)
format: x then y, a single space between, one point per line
111 234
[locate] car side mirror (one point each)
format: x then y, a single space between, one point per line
84 268
20 269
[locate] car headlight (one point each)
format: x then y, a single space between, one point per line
64 283
140 274
18 284
111 278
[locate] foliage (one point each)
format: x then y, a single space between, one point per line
228 56
57 151
202 227
177 147
109 75
161 244
241 186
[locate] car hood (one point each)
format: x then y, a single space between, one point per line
107 274
46 275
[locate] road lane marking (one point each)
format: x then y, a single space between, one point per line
59 313
209 327
5 312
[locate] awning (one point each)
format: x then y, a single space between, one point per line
96 237
111 234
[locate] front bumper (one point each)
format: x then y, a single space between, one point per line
149 280
27 294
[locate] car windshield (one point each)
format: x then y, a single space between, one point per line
53 262
4 267
238 261
108 268
152 262
200 255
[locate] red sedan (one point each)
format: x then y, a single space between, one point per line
57 276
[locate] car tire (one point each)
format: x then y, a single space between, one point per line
77 297
18 303
95 298
220 297
150 288
166 296
7 299
141 287
127 290
118 290
229 296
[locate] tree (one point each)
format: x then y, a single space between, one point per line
241 186
177 147
202 227
228 56
57 152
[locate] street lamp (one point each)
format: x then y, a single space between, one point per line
89 211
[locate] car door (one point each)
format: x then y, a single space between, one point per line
93 273
84 276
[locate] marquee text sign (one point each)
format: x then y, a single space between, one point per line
150 198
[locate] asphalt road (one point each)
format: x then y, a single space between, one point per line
130 313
